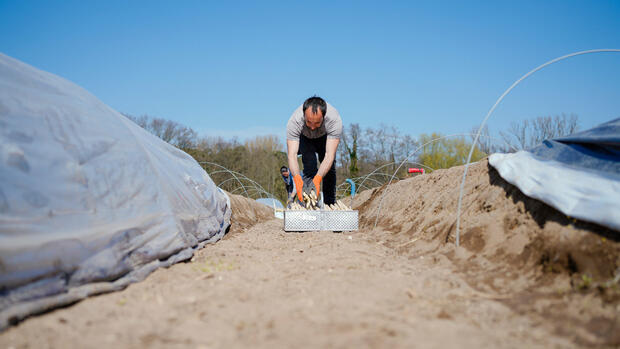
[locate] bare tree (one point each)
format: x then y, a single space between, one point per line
383 144
407 145
348 156
485 143
186 138
141 121
156 127
169 131
517 134
529 133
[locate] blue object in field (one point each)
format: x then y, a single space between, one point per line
350 181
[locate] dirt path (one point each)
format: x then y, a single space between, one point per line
267 288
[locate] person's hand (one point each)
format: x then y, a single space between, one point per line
299 186
317 184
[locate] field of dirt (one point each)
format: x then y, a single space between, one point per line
525 276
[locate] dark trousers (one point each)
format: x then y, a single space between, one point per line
309 148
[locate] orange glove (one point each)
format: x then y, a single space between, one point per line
299 185
317 184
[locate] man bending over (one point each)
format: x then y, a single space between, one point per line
314 128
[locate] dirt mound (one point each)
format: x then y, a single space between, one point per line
514 248
508 286
245 213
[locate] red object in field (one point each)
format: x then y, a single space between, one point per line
415 170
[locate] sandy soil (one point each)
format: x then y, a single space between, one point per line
525 276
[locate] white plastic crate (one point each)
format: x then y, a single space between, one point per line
302 220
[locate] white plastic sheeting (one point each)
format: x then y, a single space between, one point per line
579 175
275 204
271 202
580 194
89 201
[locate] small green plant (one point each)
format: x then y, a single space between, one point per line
211 266
586 282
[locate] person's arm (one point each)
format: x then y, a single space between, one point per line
330 154
293 166
292 149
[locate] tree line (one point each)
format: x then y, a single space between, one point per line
251 166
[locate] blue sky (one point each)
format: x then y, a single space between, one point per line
240 68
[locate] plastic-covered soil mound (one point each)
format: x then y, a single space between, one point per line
245 214
513 248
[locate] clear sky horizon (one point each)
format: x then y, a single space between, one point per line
241 68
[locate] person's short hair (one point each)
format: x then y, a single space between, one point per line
316 103
283 168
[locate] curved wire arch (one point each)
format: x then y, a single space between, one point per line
244 177
361 188
471 150
249 188
257 188
392 163
362 177
226 170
